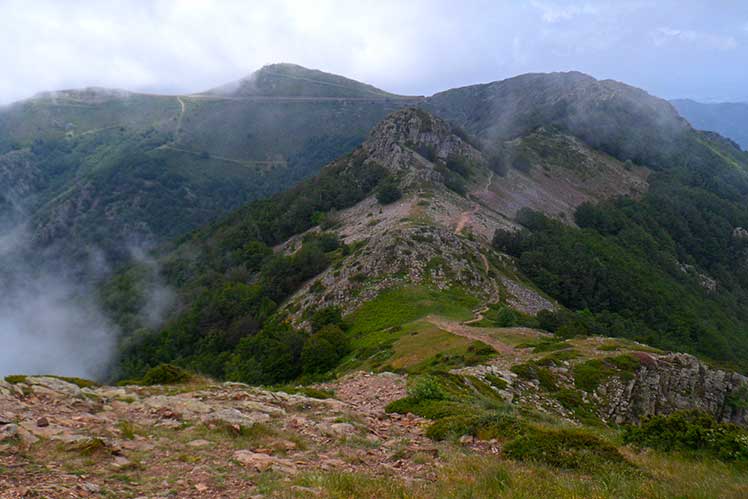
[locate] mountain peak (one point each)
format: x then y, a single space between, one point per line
619 119
292 80
411 141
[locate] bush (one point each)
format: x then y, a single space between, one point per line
459 165
588 375
426 388
451 427
388 192
455 183
690 431
484 427
570 449
271 356
318 355
429 409
165 374
325 316
324 349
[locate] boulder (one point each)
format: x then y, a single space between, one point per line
8 431
183 405
235 417
45 385
262 462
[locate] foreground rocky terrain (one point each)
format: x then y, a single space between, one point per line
70 438
203 439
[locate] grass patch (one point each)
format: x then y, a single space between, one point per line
532 370
400 306
307 391
421 342
590 374
572 400
498 425
127 429
378 326
545 345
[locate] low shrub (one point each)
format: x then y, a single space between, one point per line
589 375
690 432
429 409
534 371
484 427
388 192
569 449
165 374
426 388
16 378
79 382
307 391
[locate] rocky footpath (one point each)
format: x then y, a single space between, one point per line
200 440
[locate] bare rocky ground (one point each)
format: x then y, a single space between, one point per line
200 440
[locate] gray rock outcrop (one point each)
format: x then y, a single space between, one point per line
672 382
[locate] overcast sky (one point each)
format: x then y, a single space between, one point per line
672 48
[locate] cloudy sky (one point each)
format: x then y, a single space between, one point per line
672 48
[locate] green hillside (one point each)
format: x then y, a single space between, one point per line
101 166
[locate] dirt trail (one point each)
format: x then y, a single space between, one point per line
178 130
463 220
473 333
466 215
478 315
252 163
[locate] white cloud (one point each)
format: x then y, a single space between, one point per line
665 35
420 46
552 13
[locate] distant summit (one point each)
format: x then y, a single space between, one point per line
291 80
619 119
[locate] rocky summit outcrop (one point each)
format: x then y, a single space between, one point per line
667 383
411 142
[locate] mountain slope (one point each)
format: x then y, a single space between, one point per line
435 232
112 164
453 194
729 119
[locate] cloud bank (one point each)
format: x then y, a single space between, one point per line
672 48
51 320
